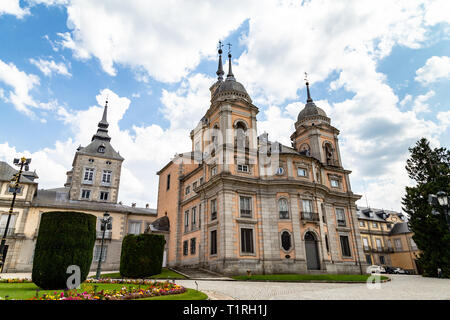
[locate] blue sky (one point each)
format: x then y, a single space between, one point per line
380 71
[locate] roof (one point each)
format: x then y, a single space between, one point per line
160 224
374 214
400 228
7 172
310 110
93 150
59 198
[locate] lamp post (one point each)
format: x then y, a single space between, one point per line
440 199
105 225
14 184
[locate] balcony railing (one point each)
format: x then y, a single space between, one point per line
367 248
108 234
310 216
383 249
341 223
213 215
9 233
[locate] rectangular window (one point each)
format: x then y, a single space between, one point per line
201 180
245 206
345 247
199 215
194 185
185 248
188 190
168 182
4 221
334 183
12 189
326 243
88 175
374 224
398 244
413 244
340 216
307 206
134 227
194 217
97 253
362 224
366 244
213 242
301 172
106 177
243 168
104 195
213 209
247 241
378 242
186 220
368 259
193 246
213 171
85 194
382 261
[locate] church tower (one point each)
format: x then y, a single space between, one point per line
226 135
95 174
315 136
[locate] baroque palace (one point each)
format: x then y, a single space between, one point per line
239 202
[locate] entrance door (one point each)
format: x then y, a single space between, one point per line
312 253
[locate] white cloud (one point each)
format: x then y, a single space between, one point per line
47 67
21 84
435 69
12 7
420 103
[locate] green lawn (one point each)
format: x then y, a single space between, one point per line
24 291
165 274
308 277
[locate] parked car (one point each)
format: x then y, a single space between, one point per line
400 271
375 269
389 270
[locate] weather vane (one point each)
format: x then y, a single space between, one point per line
229 47
220 45
306 77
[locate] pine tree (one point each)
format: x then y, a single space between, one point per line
430 169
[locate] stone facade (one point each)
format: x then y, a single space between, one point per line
240 202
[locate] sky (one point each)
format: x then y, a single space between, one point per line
379 69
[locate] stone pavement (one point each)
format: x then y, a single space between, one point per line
402 287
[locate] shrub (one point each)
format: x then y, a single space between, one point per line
141 255
64 239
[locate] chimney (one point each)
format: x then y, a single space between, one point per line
133 204
147 205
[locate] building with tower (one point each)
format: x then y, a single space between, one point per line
92 187
238 201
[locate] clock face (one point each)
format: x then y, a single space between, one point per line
280 171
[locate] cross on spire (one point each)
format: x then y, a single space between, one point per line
307 89
220 71
229 48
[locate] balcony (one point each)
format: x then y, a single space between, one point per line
108 234
341 223
383 250
310 216
367 248
9 233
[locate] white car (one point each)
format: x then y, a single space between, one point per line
400 271
375 269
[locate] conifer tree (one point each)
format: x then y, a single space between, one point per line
430 170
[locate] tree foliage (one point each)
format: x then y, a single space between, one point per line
142 255
430 170
64 239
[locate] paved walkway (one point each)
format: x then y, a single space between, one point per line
402 287
200 274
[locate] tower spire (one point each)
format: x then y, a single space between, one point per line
230 75
220 72
102 131
307 89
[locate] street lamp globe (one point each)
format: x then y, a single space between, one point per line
442 198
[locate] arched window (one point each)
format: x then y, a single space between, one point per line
215 136
240 134
329 153
286 242
283 208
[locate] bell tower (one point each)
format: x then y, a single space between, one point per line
314 135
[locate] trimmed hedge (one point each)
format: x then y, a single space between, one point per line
64 239
142 255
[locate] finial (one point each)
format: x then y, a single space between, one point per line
230 75
307 89
220 72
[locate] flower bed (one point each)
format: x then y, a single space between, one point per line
16 280
152 289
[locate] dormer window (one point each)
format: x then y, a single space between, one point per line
108 162
101 149
91 160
